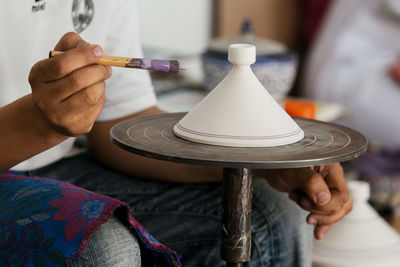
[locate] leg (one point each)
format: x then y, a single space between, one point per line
187 217
110 245
33 233
236 216
280 234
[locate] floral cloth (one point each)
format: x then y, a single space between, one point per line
44 222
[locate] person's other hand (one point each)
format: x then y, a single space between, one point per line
69 89
320 190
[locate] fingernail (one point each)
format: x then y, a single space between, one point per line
97 51
312 221
322 197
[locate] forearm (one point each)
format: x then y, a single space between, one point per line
24 133
152 169
125 162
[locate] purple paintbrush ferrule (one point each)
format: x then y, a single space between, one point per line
161 65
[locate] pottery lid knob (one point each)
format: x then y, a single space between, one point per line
242 54
359 190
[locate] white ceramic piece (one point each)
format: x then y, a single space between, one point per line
361 239
239 112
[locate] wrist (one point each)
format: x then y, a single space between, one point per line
25 133
46 133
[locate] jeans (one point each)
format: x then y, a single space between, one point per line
186 217
112 244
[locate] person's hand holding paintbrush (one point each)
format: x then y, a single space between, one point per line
67 96
69 89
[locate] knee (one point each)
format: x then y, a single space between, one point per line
112 244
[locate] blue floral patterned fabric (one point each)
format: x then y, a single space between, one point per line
44 222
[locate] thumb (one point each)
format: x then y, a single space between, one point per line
311 183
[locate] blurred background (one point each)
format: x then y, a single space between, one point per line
331 60
199 32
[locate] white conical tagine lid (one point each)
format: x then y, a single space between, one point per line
239 112
361 239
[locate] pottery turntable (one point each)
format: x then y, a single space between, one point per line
240 127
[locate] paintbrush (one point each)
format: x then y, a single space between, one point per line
137 63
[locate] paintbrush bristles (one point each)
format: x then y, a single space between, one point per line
138 63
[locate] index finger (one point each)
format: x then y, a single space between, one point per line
60 66
68 41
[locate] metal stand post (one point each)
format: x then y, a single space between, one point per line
236 216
